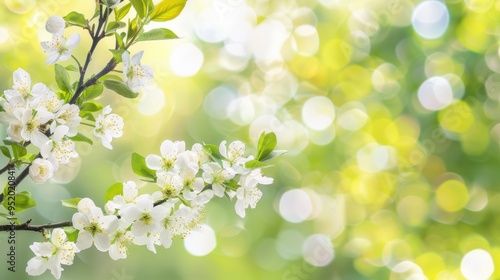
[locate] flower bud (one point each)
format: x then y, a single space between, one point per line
55 24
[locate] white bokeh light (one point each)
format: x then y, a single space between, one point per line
477 265
435 94
430 19
352 116
318 112
186 60
375 157
200 241
217 101
295 206
152 101
305 40
317 250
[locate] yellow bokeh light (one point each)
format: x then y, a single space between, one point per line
452 195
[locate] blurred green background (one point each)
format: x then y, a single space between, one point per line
389 110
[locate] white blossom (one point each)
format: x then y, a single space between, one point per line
135 74
145 217
67 115
41 170
50 255
34 122
120 239
108 126
93 226
58 48
128 197
59 150
214 174
170 183
248 195
169 151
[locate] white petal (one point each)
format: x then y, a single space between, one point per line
239 207
154 162
136 59
101 241
84 240
165 239
73 41
218 190
36 266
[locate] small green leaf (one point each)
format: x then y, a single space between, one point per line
76 19
81 138
18 150
213 151
274 154
121 88
72 68
91 106
251 164
92 92
122 12
119 39
113 26
140 7
62 78
6 216
23 201
71 233
140 168
167 10
5 151
267 143
89 117
157 34
115 189
117 54
71 203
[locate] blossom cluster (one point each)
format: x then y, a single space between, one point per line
186 180
35 115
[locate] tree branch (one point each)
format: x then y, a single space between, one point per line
38 228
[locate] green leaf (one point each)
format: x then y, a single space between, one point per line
167 10
140 168
71 233
122 12
113 26
76 19
251 164
157 34
274 154
72 68
89 117
267 142
81 138
115 189
18 150
92 92
71 203
117 54
213 151
119 40
140 7
23 201
62 78
121 88
91 106
6 216
5 151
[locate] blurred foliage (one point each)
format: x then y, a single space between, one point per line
392 132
